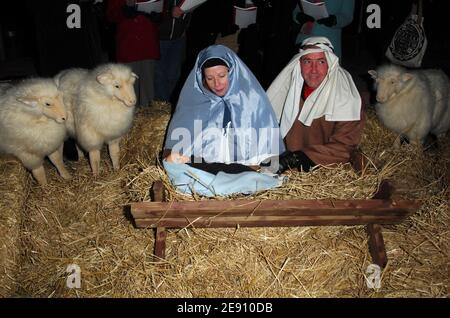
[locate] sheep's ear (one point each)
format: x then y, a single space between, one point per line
133 78
105 78
406 77
373 74
30 101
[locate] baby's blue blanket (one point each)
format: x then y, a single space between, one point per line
188 180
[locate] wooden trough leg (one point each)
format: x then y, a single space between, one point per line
376 245
376 242
385 191
161 233
157 192
160 244
357 161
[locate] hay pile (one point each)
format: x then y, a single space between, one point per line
78 222
340 182
144 141
85 222
14 187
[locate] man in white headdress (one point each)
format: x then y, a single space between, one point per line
318 108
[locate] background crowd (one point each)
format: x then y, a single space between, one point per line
34 38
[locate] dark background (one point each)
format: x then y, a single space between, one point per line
34 39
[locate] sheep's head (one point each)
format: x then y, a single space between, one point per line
45 98
119 83
389 82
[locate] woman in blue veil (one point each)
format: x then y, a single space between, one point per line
223 121
238 127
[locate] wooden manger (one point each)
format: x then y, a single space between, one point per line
274 213
380 210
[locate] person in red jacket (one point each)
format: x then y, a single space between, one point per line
137 42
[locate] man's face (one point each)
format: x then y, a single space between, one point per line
314 67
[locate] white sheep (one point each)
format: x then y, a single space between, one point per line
32 116
412 103
68 82
101 108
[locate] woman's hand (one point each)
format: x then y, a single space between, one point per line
175 157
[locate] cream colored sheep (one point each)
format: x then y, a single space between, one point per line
102 105
32 117
412 103
68 82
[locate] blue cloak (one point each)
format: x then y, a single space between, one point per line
196 128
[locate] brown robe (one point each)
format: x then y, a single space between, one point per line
325 142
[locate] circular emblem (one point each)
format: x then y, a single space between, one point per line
408 41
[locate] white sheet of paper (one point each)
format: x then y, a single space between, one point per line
243 17
150 6
189 5
316 10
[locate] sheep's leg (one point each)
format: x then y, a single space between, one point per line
94 159
57 159
405 133
80 152
114 153
39 175
416 137
398 142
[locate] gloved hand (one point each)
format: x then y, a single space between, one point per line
260 3
329 22
302 18
155 17
294 160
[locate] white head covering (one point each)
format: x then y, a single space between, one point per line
336 98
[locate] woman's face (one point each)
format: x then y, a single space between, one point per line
216 78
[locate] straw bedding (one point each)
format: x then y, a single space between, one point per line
86 222
14 182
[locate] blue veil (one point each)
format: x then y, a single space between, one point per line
197 127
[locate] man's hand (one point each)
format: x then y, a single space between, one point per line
177 12
329 22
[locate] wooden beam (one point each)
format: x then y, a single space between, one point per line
401 208
274 221
376 245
